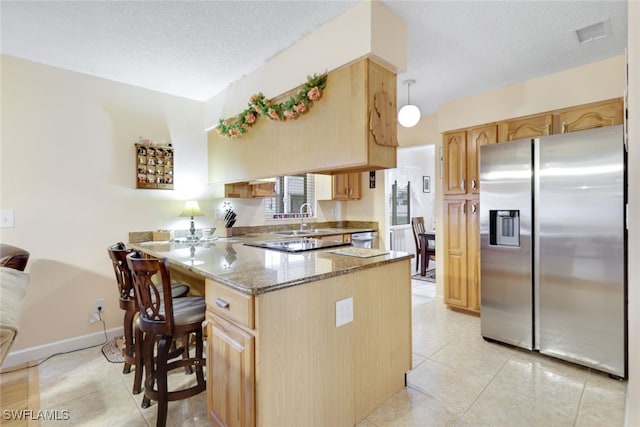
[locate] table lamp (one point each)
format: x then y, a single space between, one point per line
191 209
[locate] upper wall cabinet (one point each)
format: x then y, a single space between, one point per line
526 127
590 116
247 190
461 158
476 138
334 136
347 186
582 117
455 162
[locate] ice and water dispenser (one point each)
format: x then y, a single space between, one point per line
504 227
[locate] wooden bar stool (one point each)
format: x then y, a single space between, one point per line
163 320
118 254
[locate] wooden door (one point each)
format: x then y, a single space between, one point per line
476 138
473 255
455 252
230 374
355 185
341 187
527 127
455 162
592 116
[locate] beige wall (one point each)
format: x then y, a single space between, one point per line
593 82
68 173
354 34
633 46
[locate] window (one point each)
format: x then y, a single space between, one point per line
291 193
400 203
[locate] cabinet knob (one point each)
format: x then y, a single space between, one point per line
462 185
222 303
474 208
473 184
464 207
564 127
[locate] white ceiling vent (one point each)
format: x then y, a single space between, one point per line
593 32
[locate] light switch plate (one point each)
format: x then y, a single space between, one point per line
344 311
6 219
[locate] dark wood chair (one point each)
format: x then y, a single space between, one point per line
417 224
118 255
420 236
163 320
427 250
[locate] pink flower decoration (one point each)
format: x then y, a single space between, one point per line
233 133
314 94
250 118
254 98
300 108
290 114
273 114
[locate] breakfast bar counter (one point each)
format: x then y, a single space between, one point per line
318 337
254 270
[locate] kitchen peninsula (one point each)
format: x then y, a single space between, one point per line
299 338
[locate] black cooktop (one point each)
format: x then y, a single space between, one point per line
297 245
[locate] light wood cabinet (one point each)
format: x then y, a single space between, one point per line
455 162
525 127
246 190
345 238
279 358
461 158
334 136
476 138
591 116
230 373
347 186
462 253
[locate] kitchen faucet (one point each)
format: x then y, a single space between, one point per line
301 217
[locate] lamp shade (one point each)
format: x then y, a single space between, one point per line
191 208
409 116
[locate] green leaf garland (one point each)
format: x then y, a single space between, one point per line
297 104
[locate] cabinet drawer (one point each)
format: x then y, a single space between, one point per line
229 303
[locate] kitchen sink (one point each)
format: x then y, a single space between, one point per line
297 245
301 232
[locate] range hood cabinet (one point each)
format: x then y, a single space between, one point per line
333 137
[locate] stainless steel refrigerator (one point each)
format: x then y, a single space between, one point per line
552 232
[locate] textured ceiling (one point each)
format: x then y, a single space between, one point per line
195 49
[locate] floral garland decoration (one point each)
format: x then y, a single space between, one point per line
297 104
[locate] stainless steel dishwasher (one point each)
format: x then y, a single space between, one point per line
363 240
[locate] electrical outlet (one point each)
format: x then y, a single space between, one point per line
344 311
6 219
100 305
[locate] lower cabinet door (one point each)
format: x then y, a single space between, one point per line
230 373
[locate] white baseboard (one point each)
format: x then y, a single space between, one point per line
42 351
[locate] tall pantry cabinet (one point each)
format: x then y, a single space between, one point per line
461 150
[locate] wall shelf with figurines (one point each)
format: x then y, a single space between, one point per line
154 165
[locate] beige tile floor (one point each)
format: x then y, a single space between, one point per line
458 379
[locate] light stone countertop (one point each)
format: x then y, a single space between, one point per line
255 270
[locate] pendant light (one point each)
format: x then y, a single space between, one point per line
409 115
